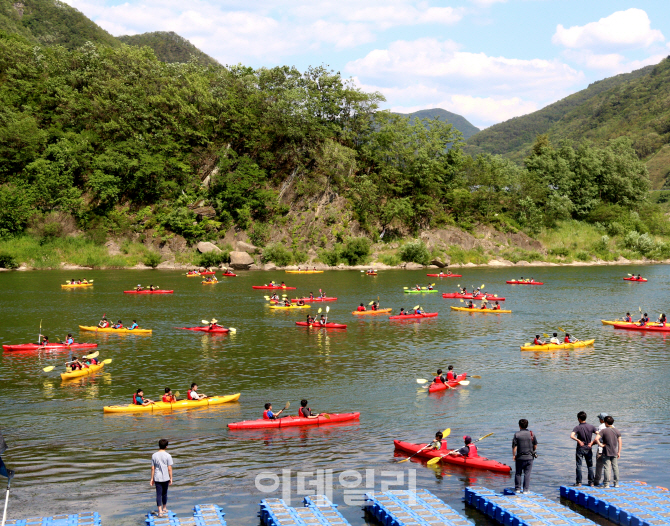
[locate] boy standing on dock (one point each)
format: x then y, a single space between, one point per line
161 475
524 446
585 435
610 440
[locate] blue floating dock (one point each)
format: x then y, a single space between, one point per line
523 509
318 510
81 519
412 508
631 504
203 515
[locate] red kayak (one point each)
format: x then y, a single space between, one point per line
290 421
471 297
207 273
444 275
48 347
514 282
633 327
466 462
229 274
635 279
148 291
272 287
319 326
218 330
413 316
452 383
310 300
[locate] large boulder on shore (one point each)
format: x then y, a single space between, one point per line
240 260
241 246
413 266
204 247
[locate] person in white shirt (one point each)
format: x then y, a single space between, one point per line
600 462
161 475
554 339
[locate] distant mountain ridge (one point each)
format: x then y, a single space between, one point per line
52 22
459 122
636 105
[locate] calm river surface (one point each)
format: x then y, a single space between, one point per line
70 457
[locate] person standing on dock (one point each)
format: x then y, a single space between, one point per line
4 472
600 462
610 440
524 446
585 435
161 475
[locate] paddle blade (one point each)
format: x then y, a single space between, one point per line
319 311
464 382
207 323
416 307
372 302
176 395
475 376
461 301
326 416
482 286
327 309
545 335
561 329
404 288
93 355
403 460
482 438
433 461
527 344
446 432
421 381
107 361
232 330
48 369
288 404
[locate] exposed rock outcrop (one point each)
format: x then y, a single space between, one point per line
240 260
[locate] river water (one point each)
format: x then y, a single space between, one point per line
70 457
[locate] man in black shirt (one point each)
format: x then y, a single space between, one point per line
524 446
585 435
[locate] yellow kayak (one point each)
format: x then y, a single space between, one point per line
209 282
619 322
291 307
304 271
191 275
118 331
82 372
76 285
481 311
553 346
163 406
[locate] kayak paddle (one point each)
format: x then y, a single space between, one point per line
445 434
437 459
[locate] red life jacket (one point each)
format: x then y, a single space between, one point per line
566 340
360 308
450 376
300 413
265 415
135 401
438 380
191 397
472 451
537 342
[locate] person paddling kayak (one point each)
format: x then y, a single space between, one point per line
662 319
138 398
643 320
192 393
402 312
139 288
554 339
628 318
306 412
439 379
569 339
437 443
538 341
451 375
118 325
268 414
322 321
103 323
361 308
468 450
470 305
168 397
274 297
134 326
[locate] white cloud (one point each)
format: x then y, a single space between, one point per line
487 3
611 63
622 29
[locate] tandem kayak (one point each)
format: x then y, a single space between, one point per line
451 383
229 274
635 327
615 322
76 285
515 282
466 462
192 275
635 279
456 295
319 326
272 287
309 300
163 406
291 421
85 371
444 275
208 273
209 282
92 328
148 291
216 330
422 291
304 271
290 307
413 316
371 312
48 347
482 311
554 347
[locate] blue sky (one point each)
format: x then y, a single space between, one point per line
488 60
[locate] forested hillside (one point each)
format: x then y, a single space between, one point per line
459 122
635 105
169 47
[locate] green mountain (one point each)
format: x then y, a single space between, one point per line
51 22
169 47
513 138
460 123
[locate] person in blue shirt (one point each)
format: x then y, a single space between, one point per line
133 326
69 340
138 398
4 470
268 414
118 325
